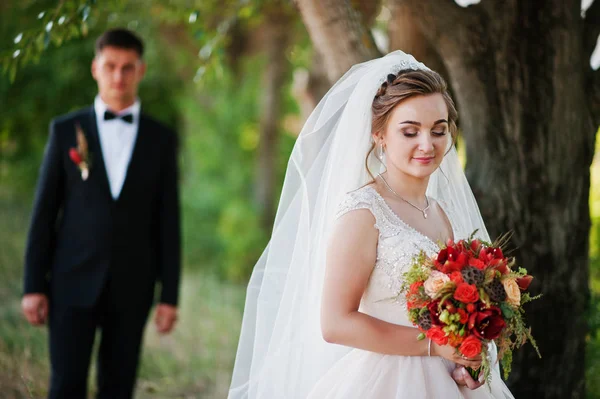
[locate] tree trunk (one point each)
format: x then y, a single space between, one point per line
517 67
337 31
276 43
405 34
529 108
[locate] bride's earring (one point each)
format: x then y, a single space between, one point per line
382 154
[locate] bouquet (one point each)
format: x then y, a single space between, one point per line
467 295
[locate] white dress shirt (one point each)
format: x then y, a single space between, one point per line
117 139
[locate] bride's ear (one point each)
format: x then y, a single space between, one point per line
377 137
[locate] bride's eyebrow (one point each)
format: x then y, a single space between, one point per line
419 123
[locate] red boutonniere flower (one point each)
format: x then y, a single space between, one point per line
80 155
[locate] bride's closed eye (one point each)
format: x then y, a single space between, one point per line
410 133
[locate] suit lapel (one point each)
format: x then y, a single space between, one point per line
98 167
136 157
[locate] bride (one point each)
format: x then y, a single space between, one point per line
373 179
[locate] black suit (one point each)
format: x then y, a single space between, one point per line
98 258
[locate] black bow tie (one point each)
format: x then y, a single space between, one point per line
108 115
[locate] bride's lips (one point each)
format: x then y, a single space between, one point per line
424 160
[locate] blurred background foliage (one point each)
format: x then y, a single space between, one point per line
208 69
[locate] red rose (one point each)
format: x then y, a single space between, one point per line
437 335
487 324
524 282
475 244
74 155
464 316
471 346
456 278
470 308
466 293
477 263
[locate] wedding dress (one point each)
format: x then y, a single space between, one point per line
362 374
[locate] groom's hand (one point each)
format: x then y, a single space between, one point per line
35 308
165 318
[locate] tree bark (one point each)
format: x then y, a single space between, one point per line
337 32
406 35
276 43
529 139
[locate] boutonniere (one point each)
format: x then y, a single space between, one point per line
80 155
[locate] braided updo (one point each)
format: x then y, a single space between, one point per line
403 85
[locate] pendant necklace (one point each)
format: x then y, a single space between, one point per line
423 211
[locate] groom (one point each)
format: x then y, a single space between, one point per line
104 229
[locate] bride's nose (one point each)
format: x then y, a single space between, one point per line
425 143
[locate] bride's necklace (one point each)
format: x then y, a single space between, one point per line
423 211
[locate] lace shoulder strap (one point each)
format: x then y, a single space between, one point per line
357 199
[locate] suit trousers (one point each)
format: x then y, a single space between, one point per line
72 331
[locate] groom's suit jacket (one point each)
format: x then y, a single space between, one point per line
80 236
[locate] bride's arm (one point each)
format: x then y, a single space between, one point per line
351 256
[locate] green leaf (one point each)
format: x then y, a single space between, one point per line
507 311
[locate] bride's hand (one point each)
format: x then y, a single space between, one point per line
463 378
450 353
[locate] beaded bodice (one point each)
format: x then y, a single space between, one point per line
397 246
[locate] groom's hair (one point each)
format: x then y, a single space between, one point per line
120 38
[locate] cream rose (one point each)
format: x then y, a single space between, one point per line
435 282
513 293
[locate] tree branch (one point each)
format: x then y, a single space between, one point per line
406 34
591 30
442 20
338 33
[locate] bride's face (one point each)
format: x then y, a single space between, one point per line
416 136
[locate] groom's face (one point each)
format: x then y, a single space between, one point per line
118 72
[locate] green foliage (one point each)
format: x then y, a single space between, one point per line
593 317
222 229
40 25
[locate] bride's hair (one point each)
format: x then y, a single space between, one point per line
405 84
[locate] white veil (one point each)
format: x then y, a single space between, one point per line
281 352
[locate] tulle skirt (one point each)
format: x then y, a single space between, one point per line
368 375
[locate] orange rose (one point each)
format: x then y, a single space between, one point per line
471 346
513 292
466 293
437 335
435 282
456 277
